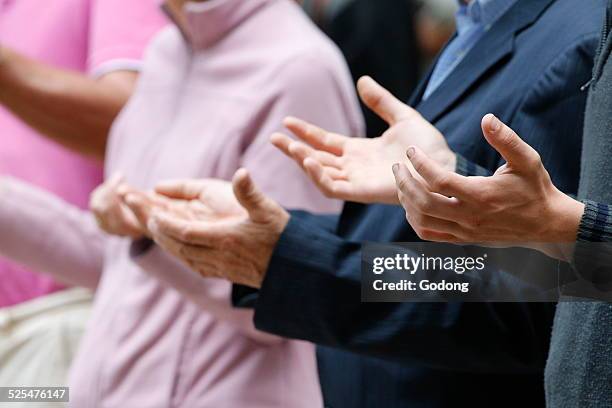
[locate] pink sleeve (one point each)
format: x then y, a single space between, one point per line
308 89
119 32
210 294
44 233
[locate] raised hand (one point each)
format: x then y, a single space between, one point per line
356 169
519 203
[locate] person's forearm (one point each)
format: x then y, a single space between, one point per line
46 234
68 107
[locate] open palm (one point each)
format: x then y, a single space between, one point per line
189 200
355 169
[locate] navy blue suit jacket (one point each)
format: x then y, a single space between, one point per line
528 70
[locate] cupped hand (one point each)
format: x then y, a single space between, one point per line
235 243
190 200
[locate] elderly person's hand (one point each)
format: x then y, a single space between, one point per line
111 213
186 199
518 204
229 241
355 169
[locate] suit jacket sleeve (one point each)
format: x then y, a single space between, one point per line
313 290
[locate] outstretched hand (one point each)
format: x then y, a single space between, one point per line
235 241
357 169
518 204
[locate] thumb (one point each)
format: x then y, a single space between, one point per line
382 102
511 147
251 198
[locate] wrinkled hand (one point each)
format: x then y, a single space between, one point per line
187 199
111 213
231 243
519 203
356 169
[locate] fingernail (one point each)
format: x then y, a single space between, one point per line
410 152
495 123
395 167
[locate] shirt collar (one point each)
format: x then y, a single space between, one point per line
205 23
481 12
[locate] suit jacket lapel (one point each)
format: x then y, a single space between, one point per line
495 45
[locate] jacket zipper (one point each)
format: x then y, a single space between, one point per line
602 43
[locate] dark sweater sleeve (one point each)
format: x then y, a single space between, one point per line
591 268
596 223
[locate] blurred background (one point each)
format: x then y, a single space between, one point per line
412 31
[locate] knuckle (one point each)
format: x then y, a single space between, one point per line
186 233
426 205
535 161
403 184
422 233
328 190
183 252
421 203
487 197
442 182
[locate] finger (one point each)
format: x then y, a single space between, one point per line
184 231
511 147
259 207
116 179
319 176
180 189
101 195
438 179
282 143
316 137
413 193
140 206
126 223
302 151
382 102
425 224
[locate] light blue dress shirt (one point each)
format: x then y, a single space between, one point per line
473 20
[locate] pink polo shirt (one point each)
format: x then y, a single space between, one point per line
89 36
